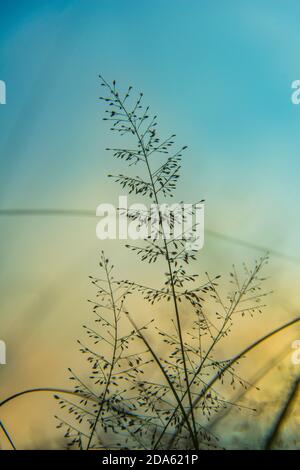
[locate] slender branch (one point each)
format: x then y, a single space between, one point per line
113 355
7 435
238 356
168 258
179 401
284 412
46 389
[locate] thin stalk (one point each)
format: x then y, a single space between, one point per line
282 415
7 435
229 364
113 356
179 401
254 380
214 342
46 389
68 392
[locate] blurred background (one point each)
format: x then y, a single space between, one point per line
218 74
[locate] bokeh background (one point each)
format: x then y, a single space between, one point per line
219 75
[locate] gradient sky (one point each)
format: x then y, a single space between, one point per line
217 73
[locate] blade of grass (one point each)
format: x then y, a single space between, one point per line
180 405
45 389
7 435
115 339
283 415
145 153
253 381
229 364
88 213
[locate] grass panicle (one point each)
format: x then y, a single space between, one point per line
167 394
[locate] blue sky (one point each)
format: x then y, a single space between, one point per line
217 73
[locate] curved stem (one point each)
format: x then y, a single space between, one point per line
44 389
7 435
236 358
213 344
283 414
179 401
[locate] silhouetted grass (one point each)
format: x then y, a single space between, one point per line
141 395
177 407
